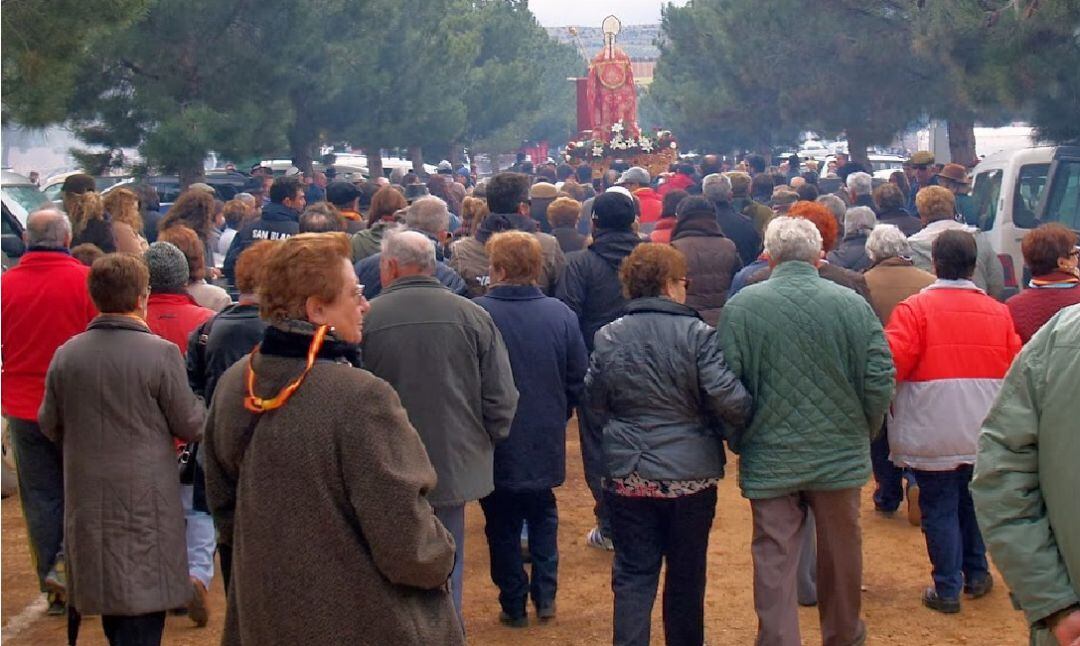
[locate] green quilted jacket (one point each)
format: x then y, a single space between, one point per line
814 358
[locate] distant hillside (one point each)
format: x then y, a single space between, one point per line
635 40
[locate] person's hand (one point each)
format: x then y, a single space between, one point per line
1066 629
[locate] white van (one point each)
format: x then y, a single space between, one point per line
1011 198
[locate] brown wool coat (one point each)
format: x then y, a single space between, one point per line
711 264
115 396
891 281
333 539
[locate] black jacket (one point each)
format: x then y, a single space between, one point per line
276 223
851 253
570 239
98 231
740 229
590 287
233 333
659 386
903 220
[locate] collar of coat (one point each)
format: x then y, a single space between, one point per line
507 292
661 305
413 281
794 268
945 283
118 322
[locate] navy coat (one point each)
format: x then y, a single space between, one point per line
548 359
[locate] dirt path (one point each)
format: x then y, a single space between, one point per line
895 571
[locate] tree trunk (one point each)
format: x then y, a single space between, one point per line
374 162
857 144
962 140
302 134
456 158
190 172
416 156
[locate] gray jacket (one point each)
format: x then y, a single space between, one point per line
447 362
660 387
115 397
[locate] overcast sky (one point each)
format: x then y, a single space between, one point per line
556 13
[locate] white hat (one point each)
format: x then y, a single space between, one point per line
620 189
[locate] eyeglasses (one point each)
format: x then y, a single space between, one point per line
1075 253
358 292
686 282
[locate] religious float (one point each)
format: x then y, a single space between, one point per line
607 116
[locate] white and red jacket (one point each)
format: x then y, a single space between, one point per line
952 345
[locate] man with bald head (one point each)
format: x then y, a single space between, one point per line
446 359
44 302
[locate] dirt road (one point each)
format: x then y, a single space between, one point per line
895 571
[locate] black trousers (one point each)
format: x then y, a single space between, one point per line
136 630
647 531
504 513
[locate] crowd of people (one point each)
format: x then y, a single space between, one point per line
312 381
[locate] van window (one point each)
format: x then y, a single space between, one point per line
986 193
1029 187
1064 203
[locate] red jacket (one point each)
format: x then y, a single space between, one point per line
44 301
677 181
952 345
661 233
652 205
174 317
1034 306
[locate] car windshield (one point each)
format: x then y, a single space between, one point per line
1064 203
26 195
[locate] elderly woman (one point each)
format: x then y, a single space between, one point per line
892 277
548 360
563 214
937 210
343 502
124 527
889 201
1051 253
851 252
206 295
662 443
383 214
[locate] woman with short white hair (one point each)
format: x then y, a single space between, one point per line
891 278
851 252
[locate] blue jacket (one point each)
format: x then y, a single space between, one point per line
548 359
367 272
276 223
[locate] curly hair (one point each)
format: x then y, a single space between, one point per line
935 203
123 205
473 212
188 242
1042 247
650 268
518 255
251 263
83 207
193 209
822 218
303 266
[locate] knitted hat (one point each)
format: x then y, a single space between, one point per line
168 268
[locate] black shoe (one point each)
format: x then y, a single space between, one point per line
545 611
931 600
57 607
980 588
514 622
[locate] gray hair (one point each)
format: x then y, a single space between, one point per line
887 241
49 228
835 205
860 183
788 238
410 248
859 219
717 188
428 214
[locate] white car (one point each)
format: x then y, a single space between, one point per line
1016 191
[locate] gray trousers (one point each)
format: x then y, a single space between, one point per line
776 548
453 518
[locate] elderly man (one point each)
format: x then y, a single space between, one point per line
1026 481
758 213
429 217
739 228
43 302
937 210
814 359
859 221
924 174
446 359
861 190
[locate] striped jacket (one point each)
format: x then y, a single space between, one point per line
952 345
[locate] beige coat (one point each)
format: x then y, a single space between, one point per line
333 539
891 281
115 396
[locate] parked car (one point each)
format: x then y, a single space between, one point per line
225 184
55 184
1016 191
19 198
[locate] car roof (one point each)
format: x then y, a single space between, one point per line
1035 154
11 177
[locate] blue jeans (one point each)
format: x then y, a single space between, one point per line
201 538
40 469
953 541
453 519
504 514
646 532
